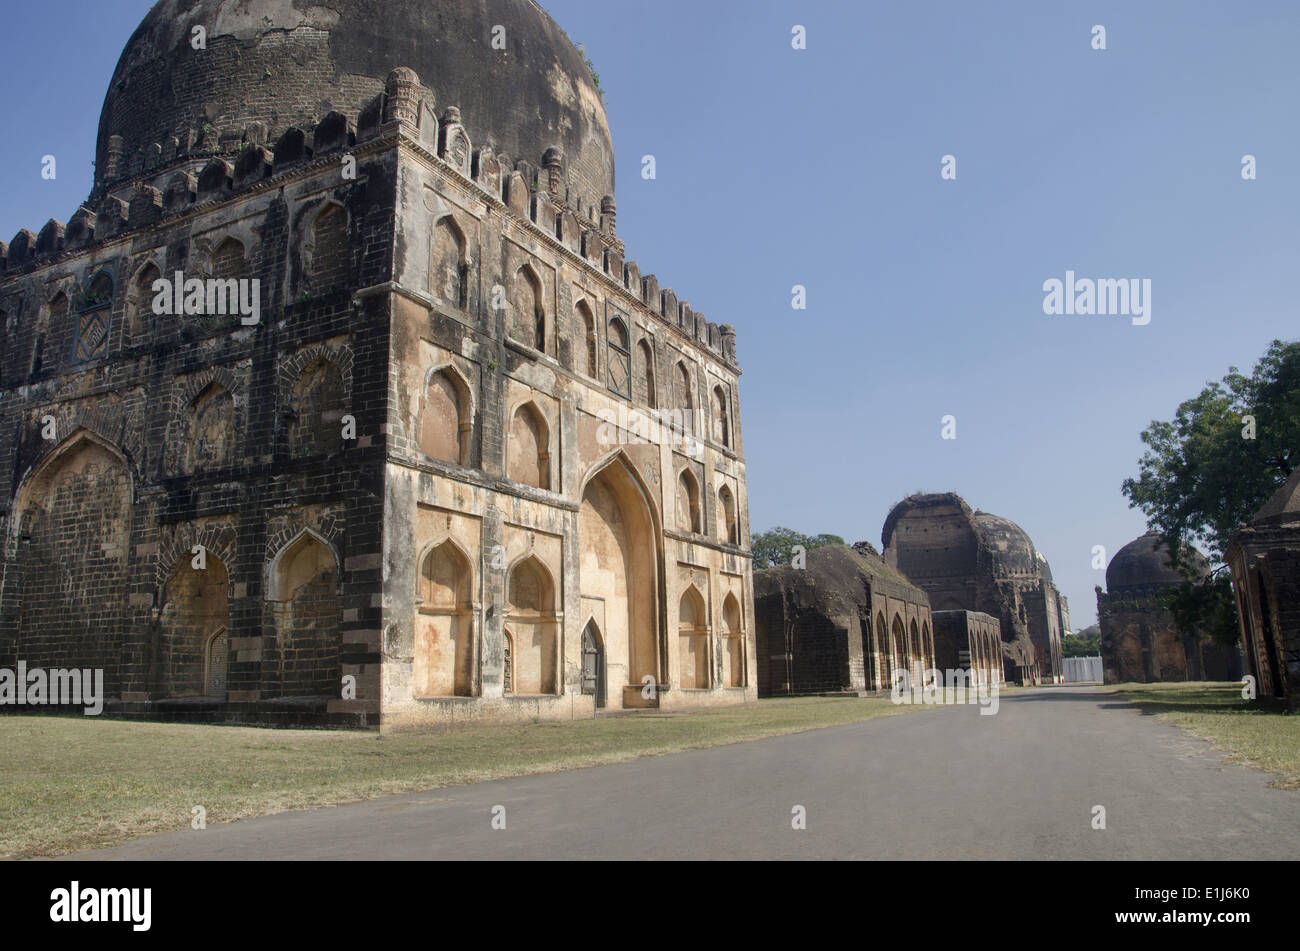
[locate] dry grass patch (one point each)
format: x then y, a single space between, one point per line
1255 733
82 783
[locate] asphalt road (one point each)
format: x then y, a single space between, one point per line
941 784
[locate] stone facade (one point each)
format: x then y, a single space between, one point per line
470 464
974 561
842 623
969 640
1264 557
1140 641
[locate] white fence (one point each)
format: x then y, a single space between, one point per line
1083 670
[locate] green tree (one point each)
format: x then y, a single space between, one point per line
776 546
1081 646
1210 469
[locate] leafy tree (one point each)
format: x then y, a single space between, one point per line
1077 646
1210 469
776 546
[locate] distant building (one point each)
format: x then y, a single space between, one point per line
1264 557
843 623
1140 641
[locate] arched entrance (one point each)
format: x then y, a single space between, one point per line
593 664
619 545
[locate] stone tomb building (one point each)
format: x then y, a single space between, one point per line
1265 560
1140 641
969 640
842 623
974 561
422 488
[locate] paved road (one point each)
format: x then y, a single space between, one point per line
943 784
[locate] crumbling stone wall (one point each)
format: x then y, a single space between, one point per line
842 623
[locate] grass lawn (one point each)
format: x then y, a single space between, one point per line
81 783
1254 733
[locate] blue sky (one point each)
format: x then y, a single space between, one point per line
821 167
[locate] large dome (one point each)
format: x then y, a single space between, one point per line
290 62
1144 562
1013 554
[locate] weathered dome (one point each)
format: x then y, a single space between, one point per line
1013 554
1143 562
290 62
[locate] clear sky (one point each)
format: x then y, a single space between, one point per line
821 167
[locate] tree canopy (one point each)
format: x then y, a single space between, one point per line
1212 467
776 546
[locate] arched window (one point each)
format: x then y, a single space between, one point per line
529 454
316 410
306 608
620 358
446 418
448 271
646 366
533 621
688 502
733 631
589 337
693 641
528 317
139 300
329 259
443 664
727 529
721 422
685 404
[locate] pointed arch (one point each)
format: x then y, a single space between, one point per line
328 261
621 567
619 357
528 447
587 321
533 619
646 368
207 432
901 660
304 608
528 310
446 422
316 407
728 530
70 556
916 654
52 324
721 418
683 399
449 264
693 641
883 652
139 299
733 632
688 502
229 261
194 610
445 634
